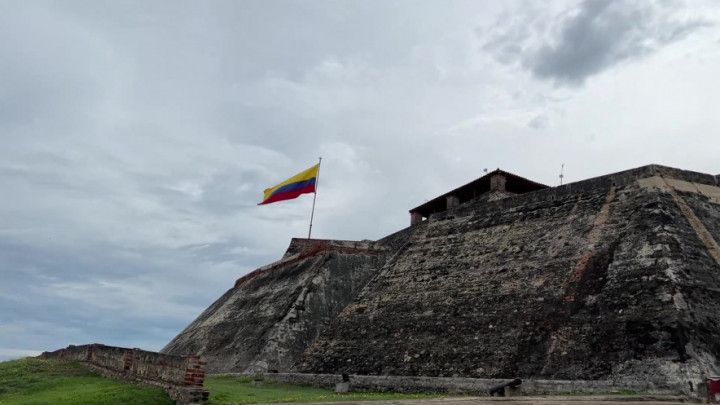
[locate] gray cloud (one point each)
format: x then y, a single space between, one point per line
136 139
593 37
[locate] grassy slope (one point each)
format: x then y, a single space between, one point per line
237 390
36 381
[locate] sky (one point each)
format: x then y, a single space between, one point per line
136 137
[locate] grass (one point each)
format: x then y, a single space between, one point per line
238 390
38 381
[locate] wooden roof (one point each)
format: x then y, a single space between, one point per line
514 184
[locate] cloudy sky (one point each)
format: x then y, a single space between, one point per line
137 137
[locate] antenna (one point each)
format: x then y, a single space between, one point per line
562 168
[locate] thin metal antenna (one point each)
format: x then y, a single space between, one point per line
562 168
317 184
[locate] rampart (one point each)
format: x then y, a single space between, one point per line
301 249
181 377
607 281
610 278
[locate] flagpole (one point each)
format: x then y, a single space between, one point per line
317 183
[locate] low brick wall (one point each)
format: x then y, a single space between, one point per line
181 377
474 386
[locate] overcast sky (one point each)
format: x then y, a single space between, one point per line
137 137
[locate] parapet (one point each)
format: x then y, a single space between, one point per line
490 188
301 248
301 245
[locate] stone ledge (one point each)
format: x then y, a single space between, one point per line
474 386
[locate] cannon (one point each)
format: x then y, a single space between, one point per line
499 390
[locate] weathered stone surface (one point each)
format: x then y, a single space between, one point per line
606 278
273 314
615 278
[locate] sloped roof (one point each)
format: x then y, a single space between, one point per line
514 184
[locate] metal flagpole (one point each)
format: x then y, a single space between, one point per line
317 183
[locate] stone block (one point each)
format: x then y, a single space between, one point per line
497 182
415 218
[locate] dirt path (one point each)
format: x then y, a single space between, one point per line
584 400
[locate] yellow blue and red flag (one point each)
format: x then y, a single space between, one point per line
301 183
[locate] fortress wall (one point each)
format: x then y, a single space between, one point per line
686 175
609 278
333 286
580 281
72 353
698 272
299 246
271 315
181 377
396 240
473 386
461 278
109 357
301 249
232 335
619 179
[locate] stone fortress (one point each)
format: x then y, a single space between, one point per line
611 278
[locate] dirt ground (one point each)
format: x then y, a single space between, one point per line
588 400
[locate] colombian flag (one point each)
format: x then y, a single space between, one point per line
301 183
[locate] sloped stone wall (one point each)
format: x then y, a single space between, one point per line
274 313
613 278
591 280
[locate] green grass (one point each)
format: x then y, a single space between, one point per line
238 390
37 381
